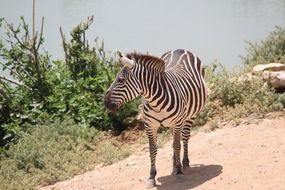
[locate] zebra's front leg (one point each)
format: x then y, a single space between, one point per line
152 136
177 166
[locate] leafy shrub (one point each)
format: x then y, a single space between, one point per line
81 99
80 86
236 95
28 67
50 153
272 49
282 99
42 88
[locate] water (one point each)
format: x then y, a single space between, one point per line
211 29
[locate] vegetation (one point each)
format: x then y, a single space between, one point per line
235 95
57 151
51 113
271 50
34 149
42 88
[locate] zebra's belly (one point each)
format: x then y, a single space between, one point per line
165 119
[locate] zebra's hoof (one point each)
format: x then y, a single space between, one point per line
150 183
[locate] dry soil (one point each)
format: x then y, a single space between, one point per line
249 156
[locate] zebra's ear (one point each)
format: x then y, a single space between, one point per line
124 60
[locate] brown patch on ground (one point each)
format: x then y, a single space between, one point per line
249 156
132 134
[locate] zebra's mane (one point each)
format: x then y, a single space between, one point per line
148 61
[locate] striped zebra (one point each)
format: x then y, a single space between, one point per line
173 91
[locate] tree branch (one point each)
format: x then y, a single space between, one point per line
64 47
34 5
12 71
10 80
14 34
41 33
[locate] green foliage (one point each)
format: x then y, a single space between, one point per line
21 97
236 95
272 49
81 99
50 153
82 60
81 81
282 99
21 57
42 89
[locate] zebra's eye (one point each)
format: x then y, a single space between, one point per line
121 79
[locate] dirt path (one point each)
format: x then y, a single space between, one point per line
240 158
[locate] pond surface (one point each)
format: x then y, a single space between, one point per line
211 29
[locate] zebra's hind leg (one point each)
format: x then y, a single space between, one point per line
177 166
185 138
152 137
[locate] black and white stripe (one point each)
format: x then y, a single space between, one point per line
173 91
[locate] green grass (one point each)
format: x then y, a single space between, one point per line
47 154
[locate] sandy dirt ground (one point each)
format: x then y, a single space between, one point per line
249 156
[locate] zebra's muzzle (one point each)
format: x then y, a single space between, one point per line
110 105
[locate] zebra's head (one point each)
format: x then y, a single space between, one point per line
124 88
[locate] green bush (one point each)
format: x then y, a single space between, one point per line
236 95
78 88
272 49
44 89
50 153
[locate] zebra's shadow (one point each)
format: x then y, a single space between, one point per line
193 177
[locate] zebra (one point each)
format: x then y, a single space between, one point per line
173 91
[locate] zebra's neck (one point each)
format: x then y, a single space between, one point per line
155 89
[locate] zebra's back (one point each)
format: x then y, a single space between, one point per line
182 59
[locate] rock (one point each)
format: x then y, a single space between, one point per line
272 73
276 79
130 163
268 67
